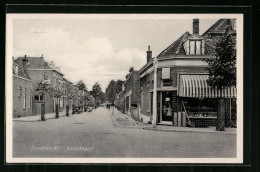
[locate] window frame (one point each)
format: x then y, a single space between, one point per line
24 98
20 92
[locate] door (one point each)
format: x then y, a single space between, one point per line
37 108
167 108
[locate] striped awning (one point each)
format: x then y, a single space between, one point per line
197 86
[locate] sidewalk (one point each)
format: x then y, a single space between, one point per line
38 117
122 120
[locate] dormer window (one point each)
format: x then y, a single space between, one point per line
194 47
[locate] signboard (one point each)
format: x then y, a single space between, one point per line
166 73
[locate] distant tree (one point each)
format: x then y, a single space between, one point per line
81 85
222 70
96 91
111 91
113 88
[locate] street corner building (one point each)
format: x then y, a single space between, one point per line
22 89
28 72
183 96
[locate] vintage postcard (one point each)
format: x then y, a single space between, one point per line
124 88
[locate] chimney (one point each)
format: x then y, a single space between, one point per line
196 26
123 87
149 54
25 63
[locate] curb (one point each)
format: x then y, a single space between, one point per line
167 130
190 131
36 120
121 126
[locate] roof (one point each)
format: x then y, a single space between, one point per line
219 27
21 72
176 47
34 62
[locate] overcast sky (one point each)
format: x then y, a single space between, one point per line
97 50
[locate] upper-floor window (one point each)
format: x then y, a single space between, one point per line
20 92
16 70
194 47
29 98
24 98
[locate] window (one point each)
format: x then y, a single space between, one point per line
24 98
16 70
142 97
20 92
194 47
38 97
167 83
30 99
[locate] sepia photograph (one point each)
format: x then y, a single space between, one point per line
124 88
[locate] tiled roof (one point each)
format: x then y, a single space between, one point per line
34 62
175 48
20 70
219 27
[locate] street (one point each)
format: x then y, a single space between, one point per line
92 134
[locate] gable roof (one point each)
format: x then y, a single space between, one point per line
219 27
34 62
176 47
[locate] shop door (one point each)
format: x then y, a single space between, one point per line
167 108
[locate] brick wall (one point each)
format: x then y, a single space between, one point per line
135 88
37 76
18 109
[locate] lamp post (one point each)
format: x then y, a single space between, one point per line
155 64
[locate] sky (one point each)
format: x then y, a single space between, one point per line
98 49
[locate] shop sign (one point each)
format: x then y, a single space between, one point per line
166 73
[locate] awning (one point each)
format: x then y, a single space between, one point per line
197 86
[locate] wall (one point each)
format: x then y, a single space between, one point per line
37 76
135 88
18 109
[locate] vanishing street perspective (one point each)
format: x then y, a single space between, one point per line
143 88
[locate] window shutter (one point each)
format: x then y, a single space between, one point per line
203 47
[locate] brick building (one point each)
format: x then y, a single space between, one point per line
182 79
38 68
132 92
22 90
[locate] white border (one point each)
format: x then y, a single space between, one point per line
9 88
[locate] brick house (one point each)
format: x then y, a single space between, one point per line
182 79
38 68
22 90
132 92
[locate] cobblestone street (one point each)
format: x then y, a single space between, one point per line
92 134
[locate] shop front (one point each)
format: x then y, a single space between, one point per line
199 101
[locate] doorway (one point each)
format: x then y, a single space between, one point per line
166 106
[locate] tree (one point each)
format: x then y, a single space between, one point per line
113 88
222 70
96 90
111 91
81 85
